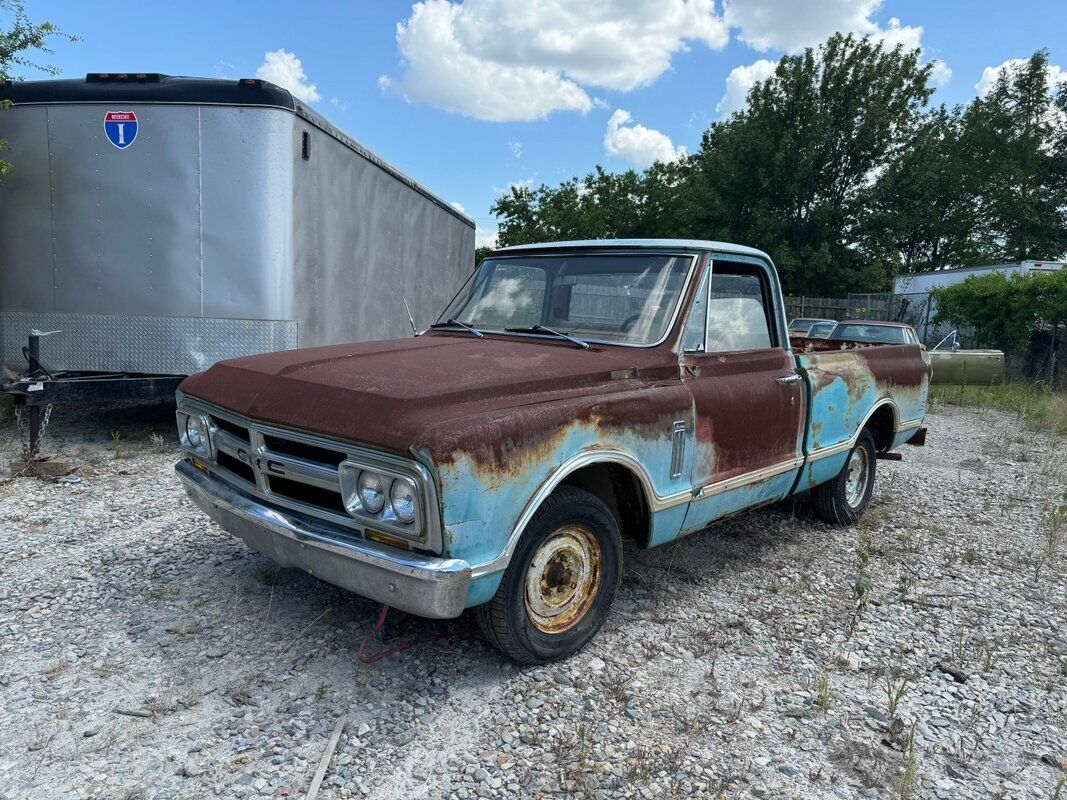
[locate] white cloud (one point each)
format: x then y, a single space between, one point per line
336 103
284 68
637 144
485 237
792 25
738 83
523 59
940 74
459 207
908 36
1053 75
516 149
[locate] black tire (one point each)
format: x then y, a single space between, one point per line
831 500
508 621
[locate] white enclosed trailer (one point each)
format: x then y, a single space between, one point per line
161 224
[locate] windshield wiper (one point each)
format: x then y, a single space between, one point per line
455 323
542 329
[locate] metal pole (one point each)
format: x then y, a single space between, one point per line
34 352
34 413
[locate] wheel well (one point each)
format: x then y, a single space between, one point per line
882 426
620 490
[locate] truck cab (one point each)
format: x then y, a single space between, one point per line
570 396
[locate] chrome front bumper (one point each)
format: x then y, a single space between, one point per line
423 585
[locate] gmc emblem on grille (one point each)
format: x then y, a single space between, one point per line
272 467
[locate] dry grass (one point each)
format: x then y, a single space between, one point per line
1039 407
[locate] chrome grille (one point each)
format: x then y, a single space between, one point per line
302 472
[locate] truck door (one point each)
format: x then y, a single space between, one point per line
748 398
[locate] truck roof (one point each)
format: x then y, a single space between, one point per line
657 244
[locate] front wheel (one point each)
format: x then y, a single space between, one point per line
556 592
843 499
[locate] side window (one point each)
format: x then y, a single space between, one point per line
693 340
738 310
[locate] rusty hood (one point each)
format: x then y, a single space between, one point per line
387 394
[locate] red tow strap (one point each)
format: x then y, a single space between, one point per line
392 651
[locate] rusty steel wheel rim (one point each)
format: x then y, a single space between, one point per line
856 476
563 578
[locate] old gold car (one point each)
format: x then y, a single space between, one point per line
952 365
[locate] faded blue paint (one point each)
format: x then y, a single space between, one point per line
903 436
703 512
822 470
667 524
481 590
482 505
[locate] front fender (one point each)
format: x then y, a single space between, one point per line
493 470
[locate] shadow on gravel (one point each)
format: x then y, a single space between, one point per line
298 619
135 420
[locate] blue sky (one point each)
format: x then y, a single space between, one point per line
469 97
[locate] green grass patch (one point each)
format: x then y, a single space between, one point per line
1039 407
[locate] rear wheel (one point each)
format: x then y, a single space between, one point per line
842 500
556 592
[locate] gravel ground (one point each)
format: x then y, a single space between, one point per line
923 653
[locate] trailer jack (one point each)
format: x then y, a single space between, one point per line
39 389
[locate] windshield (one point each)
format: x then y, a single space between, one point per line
821 330
882 334
626 299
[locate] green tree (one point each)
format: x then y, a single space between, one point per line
19 38
1005 310
1015 144
601 205
924 209
795 172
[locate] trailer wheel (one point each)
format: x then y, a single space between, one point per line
842 500
559 586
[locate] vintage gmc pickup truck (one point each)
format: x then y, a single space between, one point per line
571 396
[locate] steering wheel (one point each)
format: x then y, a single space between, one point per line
629 323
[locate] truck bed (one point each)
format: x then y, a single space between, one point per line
851 384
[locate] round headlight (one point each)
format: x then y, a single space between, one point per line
402 499
371 491
196 432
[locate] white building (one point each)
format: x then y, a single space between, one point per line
914 290
923 282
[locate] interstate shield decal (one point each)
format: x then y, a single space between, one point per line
120 128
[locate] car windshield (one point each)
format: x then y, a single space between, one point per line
619 298
882 334
821 330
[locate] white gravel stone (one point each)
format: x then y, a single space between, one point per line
736 663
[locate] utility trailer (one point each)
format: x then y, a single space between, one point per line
159 224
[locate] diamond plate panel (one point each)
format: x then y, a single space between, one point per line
159 345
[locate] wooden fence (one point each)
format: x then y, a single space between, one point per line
855 306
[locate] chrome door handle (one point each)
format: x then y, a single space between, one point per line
789 378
